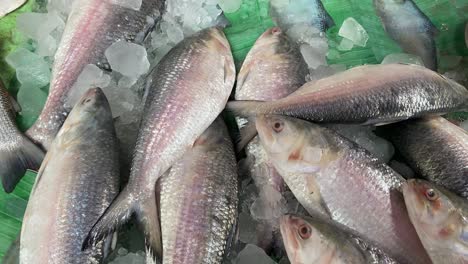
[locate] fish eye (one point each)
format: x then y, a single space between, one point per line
304 231
431 194
278 126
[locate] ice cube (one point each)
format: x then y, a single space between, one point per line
345 45
402 58
46 46
127 58
175 33
313 57
132 4
229 6
122 251
38 25
269 205
247 228
302 32
324 71
352 30
130 258
90 77
252 254
464 125
62 6
31 69
31 99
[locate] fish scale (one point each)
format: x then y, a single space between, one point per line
188 89
93 25
77 181
325 170
198 200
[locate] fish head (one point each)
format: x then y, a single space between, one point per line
304 242
93 105
292 144
432 212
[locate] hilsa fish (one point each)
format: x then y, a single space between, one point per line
17 152
312 240
406 24
273 68
78 179
436 149
440 218
377 94
198 200
333 177
188 89
92 26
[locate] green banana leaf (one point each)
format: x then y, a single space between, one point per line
247 23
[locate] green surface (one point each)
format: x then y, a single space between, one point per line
248 23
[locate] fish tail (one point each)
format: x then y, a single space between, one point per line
15 160
148 218
246 108
118 213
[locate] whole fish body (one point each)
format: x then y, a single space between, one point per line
376 94
406 24
188 90
436 149
77 181
273 68
198 200
439 217
92 26
311 240
330 175
17 152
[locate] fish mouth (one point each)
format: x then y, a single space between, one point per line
263 128
414 200
287 224
92 96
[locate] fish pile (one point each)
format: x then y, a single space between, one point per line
308 189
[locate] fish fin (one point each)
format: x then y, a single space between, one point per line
116 214
232 239
228 70
246 134
15 105
16 160
243 75
148 218
385 121
245 108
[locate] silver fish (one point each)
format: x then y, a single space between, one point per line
406 24
17 152
440 218
273 68
188 90
376 94
93 25
330 175
77 181
310 240
436 149
198 200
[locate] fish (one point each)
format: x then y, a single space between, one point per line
312 12
78 179
9 6
436 149
407 25
272 69
187 90
368 95
333 177
312 240
198 200
92 26
439 217
17 152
